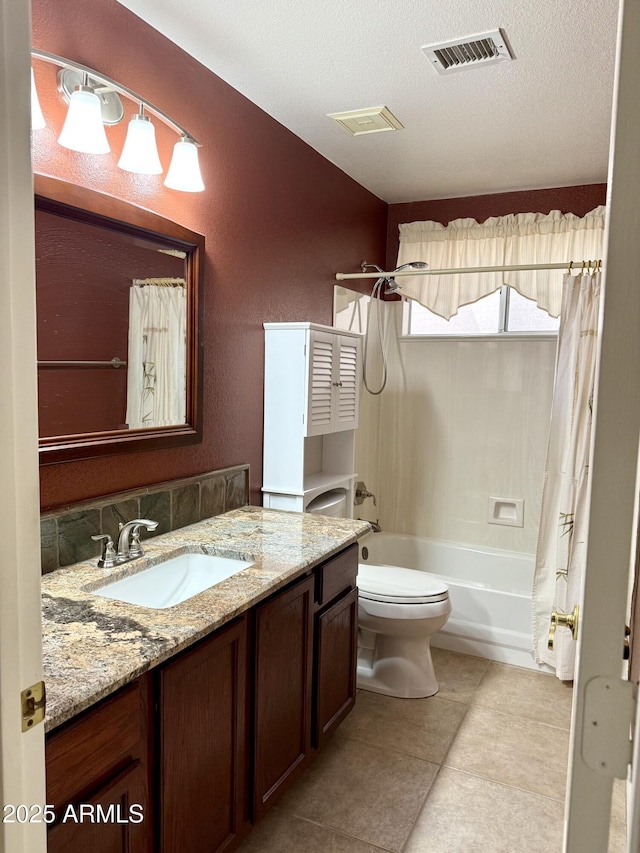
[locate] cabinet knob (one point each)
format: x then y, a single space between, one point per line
337 384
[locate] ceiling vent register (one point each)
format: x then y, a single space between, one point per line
469 52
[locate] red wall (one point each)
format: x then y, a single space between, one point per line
579 200
278 219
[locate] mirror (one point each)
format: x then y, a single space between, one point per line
118 303
350 309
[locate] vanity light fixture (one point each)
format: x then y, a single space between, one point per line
83 129
184 171
94 100
140 152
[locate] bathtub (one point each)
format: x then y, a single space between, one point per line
490 593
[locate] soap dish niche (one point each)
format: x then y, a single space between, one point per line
507 511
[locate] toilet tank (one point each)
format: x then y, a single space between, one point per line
333 503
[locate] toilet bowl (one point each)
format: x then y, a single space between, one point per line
398 612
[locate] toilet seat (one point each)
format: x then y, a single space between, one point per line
397 585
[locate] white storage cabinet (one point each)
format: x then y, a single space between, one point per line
311 401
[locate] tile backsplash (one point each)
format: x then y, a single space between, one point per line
65 533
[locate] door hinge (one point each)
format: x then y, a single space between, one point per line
34 703
609 712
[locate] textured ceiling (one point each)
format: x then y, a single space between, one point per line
540 121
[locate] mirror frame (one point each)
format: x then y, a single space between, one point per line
88 206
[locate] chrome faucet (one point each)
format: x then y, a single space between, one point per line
128 546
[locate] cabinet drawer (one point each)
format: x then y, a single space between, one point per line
336 575
83 752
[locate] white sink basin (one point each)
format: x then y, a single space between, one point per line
173 581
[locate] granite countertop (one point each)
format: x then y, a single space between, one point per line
93 645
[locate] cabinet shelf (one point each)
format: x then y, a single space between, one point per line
316 484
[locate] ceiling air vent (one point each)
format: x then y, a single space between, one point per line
372 120
483 49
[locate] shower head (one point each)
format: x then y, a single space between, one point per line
392 285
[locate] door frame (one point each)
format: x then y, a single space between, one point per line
22 774
614 462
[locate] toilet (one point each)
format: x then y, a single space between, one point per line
398 612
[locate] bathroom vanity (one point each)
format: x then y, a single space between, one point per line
198 716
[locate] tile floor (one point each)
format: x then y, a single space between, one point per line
479 767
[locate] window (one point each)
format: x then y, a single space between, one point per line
502 312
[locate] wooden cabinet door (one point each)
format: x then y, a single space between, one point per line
202 743
283 691
336 661
104 823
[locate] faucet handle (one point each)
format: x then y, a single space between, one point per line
108 556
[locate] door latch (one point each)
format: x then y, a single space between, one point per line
34 702
563 620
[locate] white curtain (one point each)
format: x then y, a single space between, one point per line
523 238
156 371
562 540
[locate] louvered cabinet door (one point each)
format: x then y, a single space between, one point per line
321 379
347 390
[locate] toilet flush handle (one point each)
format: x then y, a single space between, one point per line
563 620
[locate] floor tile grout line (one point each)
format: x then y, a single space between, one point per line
395 751
421 809
473 703
335 831
454 738
503 784
519 717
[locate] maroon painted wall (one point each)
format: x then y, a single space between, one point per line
278 219
579 200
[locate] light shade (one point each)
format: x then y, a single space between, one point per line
37 119
140 153
184 171
83 129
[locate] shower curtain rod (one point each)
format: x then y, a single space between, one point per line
343 276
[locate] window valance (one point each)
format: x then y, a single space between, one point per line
521 238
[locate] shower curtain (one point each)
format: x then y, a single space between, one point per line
562 540
156 377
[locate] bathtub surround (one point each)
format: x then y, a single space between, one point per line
460 421
65 534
